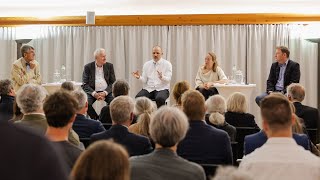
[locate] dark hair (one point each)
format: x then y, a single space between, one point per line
284 49
178 89
69 86
59 108
120 87
193 105
5 87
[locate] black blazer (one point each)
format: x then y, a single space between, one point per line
205 144
89 75
254 141
291 75
135 144
6 107
85 127
240 119
309 114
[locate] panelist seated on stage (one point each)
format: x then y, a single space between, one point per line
156 77
98 77
282 73
208 74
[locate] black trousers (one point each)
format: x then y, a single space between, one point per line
91 112
158 96
207 92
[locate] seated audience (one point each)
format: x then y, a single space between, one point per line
7 96
280 157
167 128
203 143
216 107
83 126
68 86
17 114
208 74
119 88
143 109
236 111
178 89
102 160
310 115
121 110
231 173
60 109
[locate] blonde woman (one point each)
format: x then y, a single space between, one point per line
143 109
178 89
208 74
236 114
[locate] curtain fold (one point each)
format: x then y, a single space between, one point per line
8 50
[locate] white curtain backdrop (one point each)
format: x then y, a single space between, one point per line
8 50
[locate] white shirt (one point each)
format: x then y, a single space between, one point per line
209 76
281 158
100 83
150 77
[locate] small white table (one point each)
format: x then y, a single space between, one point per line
52 87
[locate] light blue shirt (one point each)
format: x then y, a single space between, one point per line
280 82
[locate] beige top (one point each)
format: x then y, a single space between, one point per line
21 76
209 76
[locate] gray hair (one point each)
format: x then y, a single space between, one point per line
121 108
98 52
25 48
81 98
5 86
168 126
30 98
231 173
296 92
216 103
237 103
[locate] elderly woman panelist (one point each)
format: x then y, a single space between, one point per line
208 74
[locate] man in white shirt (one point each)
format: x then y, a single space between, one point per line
98 77
156 77
280 157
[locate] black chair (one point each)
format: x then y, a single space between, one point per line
313 134
85 141
107 125
241 133
234 146
210 169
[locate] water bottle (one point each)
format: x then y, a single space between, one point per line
239 77
63 74
56 76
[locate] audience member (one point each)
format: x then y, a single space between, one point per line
7 95
17 114
216 108
83 126
178 89
68 86
203 143
236 114
167 128
156 77
231 173
60 109
208 74
101 161
121 109
280 157
98 77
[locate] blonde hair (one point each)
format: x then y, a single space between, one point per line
237 103
178 89
102 160
215 62
143 109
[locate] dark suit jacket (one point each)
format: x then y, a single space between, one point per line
6 107
291 75
254 141
309 114
205 144
89 75
240 119
105 116
135 144
85 127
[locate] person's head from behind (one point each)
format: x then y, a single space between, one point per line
168 127
102 160
143 108
100 56
178 89
156 53
68 86
27 52
120 88
6 88
276 114
60 109
82 100
237 103
282 54
210 61
296 92
30 98
121 110
193 105
216 107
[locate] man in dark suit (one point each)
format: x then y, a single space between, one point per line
310 115
7 95
254 141
97 78
83 126
203 143
282 73
121 110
